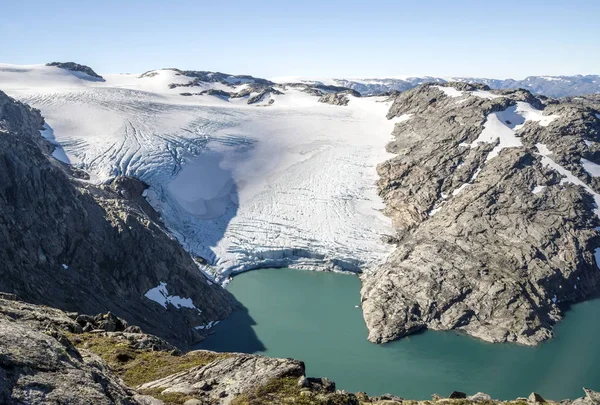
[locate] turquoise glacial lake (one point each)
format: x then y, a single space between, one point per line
311 316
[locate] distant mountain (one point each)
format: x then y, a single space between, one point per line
551 86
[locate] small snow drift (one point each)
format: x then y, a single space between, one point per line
160 295
502 126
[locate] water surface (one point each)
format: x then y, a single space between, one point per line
312 316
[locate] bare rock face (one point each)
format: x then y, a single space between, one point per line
92 249
490 244
335 99
76 67
38 365
224 379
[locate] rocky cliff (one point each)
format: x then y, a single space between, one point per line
81 247
494 198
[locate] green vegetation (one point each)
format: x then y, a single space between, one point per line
137 366
286 391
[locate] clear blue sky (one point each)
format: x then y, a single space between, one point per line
501 39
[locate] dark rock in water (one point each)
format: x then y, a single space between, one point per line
87 248
479 249
457 395
76 67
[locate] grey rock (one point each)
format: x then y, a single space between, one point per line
535 398
591 396
39 365
110 238
335 99
148 400
495 260
76 67
480 396
457 395
221 380
133 329
302 381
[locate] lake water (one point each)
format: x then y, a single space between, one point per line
311 316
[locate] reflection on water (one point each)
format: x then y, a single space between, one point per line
312 316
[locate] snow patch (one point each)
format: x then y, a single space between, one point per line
538 189
502 126
592 168
484 94
402 118
207 326
58 153
568 176
64 266
160 294
449 91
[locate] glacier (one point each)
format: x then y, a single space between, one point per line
288 181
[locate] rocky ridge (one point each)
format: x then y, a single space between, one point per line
76 67
551 86
80 247
46 358
492 239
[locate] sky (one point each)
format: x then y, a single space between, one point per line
313 38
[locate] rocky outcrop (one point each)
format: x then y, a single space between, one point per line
222 380
80 247
39 365
492 240
256 92
200 76
76 67
335 99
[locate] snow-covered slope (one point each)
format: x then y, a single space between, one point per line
283 182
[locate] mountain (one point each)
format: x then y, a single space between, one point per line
302 178
92 248
223 171
494 195
551 86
